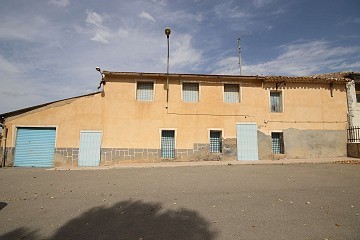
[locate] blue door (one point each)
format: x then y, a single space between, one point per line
34 147
89 151
247 144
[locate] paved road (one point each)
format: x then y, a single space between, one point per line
300 201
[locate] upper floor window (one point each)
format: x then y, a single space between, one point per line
145 91
357 90
231 93
190 92
276 101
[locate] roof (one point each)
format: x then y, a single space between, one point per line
28 109
213 77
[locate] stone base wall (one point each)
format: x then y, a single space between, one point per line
66 157
9 156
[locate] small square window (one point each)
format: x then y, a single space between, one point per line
275 101
231 93
277 142
190 92
145 91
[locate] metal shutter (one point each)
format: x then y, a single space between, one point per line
35 147
168 144
190 92
231 93
145 91
247 144
89 151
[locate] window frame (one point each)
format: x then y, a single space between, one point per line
145 81
221 137
281 99
239 92
282 142
182 91
357 92
160 142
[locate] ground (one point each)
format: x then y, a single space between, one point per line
295 201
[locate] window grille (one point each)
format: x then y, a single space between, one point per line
215 141
275 102
190 92
145 91
277 142
231 93
168 144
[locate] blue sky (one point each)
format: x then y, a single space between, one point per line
49 48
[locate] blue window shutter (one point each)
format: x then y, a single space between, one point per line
190 92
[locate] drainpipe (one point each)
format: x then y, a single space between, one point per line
4 145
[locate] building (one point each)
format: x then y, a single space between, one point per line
152 117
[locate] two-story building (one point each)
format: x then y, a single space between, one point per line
152 117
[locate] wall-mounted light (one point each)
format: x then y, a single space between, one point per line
102 82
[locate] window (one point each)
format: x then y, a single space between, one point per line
215 141
275 101
145 91
357 90
231 93
277 142
190 92
168 143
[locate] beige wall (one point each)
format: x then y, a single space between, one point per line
128 123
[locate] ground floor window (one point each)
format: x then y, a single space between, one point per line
168 143
277 142
215 141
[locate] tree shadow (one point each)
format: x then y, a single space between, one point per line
129 220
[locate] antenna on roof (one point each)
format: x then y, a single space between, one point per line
239 48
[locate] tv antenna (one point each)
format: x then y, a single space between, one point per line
239 48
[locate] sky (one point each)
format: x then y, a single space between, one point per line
49 49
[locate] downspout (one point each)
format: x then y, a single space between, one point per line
349 102
4 144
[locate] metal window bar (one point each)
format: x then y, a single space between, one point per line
168 144
353 134
277 143
215 142
275 102
145 91
231 93
190 92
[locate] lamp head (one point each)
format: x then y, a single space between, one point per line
167 32
98 69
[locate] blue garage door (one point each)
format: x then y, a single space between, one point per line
89 151
35 147
247 144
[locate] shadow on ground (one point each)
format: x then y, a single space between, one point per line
2 205
128 220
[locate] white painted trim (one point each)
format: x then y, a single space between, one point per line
175 135
215 129
182 94
240 92
282 91
145 80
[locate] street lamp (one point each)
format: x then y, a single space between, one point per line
167 33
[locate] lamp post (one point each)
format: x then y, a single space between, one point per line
167 33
